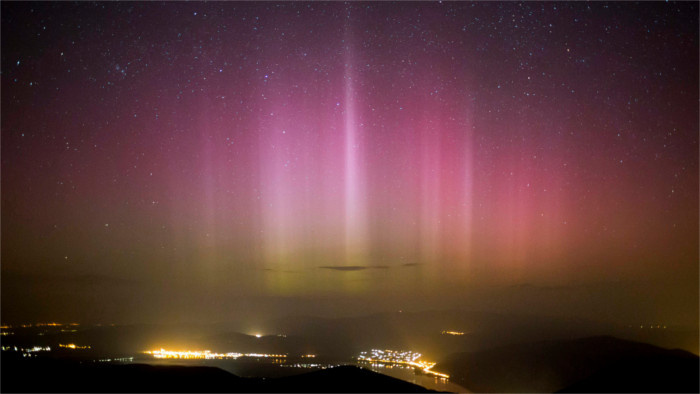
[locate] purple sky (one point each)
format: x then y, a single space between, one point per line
173 155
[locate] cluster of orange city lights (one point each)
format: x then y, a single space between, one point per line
72 346
207 354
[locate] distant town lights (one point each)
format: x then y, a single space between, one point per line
73 346
393 357
207 354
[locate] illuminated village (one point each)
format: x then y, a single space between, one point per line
400 358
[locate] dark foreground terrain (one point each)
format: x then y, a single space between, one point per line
25 375
597 364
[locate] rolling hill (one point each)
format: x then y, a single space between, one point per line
50 375
594 364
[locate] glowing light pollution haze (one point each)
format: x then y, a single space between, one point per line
172 156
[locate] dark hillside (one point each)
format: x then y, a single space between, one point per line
597 364
49 375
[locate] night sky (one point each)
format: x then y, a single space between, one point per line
211 161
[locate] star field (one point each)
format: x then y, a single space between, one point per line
243 147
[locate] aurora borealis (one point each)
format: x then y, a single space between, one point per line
175 156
